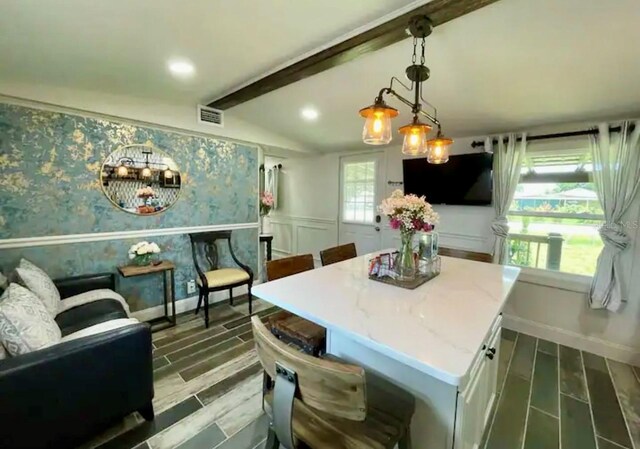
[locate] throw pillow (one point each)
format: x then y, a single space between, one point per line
25 323
41 284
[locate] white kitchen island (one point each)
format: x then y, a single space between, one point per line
440 341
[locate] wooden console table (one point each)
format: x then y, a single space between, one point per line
167 268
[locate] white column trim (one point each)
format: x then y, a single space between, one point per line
27 242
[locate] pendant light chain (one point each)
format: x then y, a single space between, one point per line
423 47
415 49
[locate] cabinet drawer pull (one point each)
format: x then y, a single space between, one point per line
489 355
492 351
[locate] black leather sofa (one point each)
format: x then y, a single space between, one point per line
63 395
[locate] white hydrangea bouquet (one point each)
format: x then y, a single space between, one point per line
143 253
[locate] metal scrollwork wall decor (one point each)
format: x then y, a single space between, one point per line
141 179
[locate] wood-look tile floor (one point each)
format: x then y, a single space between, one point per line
554 397
208 386
208 393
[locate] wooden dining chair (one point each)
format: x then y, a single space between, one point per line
328 404
291 328
212 277
338 254
463 254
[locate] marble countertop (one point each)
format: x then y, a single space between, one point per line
437 328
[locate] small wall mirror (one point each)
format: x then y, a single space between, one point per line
140 179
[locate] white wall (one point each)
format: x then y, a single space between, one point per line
306 220
547 305
145 110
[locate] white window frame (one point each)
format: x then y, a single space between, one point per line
343 186
544 276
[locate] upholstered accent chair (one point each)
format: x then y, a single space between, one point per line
211 276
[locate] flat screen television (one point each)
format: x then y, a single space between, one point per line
465 180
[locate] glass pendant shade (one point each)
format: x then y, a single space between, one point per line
415 138
122 171
377 127
146 172
439 150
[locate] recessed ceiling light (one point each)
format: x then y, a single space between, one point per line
309 114
181 68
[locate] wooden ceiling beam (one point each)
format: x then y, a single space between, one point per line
388 33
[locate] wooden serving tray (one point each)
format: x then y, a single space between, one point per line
410 285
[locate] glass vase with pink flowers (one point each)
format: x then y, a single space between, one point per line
408 214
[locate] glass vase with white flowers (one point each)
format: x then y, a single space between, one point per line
143 253
409 214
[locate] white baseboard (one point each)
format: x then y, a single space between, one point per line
187 304
603 348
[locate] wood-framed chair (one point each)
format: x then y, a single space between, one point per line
291 328
212 277
338 254
325 403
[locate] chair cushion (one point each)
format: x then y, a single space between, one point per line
25 323
224 276
78 318
41 284
298 329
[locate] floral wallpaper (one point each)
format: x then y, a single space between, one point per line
49 185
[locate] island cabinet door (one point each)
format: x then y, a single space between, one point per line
476 399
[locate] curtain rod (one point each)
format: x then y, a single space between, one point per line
586 132
278 166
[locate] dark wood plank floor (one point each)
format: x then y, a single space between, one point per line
555 397
208 393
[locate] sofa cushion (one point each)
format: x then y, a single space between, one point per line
100 328
41 284
25 323
78 318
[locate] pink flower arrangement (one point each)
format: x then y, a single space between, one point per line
266 203
409 213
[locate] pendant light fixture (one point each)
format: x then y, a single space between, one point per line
122 170
438 149
415 137
146 171
377 127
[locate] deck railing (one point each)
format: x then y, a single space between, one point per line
537 251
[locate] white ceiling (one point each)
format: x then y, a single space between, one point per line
512 65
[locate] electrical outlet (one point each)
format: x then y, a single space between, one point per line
191 287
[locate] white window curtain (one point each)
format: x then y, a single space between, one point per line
616 174
507 161
273 176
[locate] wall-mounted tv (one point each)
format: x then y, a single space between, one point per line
465 180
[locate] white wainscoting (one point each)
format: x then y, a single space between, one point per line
467 242
302 235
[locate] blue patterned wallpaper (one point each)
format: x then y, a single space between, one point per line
49 185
